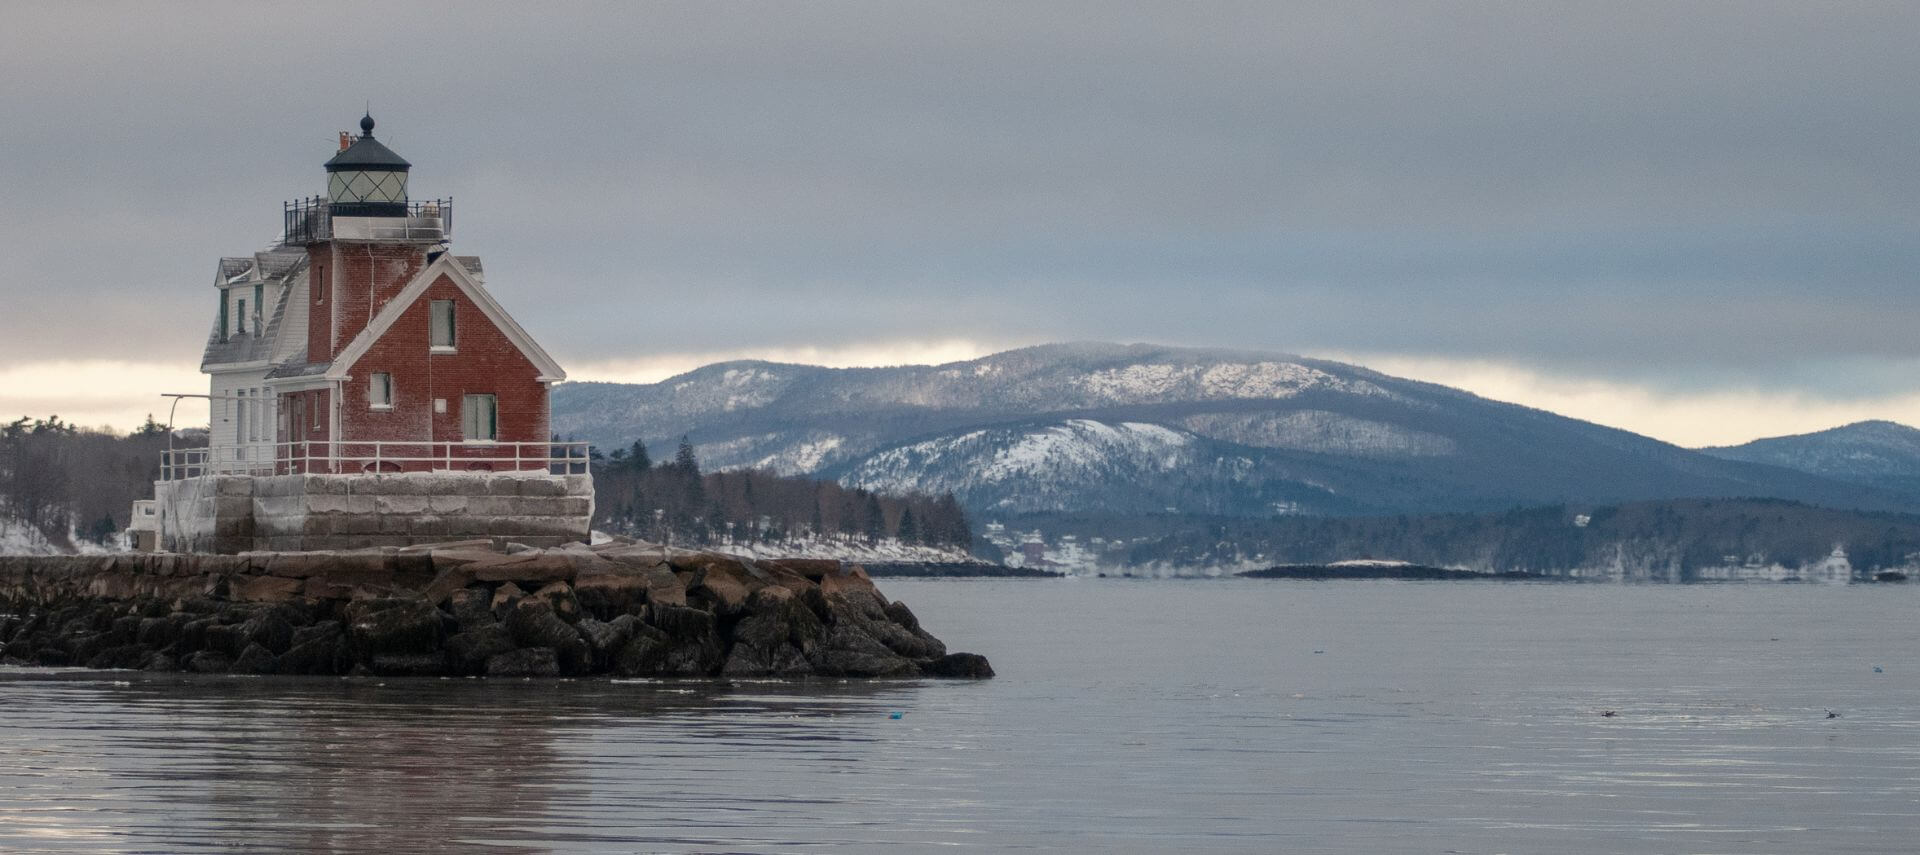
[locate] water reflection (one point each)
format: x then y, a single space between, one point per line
177 762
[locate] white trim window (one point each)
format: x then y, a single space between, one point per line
480 418
380 391
265 416
441 332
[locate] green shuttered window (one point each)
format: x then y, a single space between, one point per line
479 418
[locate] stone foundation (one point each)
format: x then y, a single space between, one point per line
464 610
229 514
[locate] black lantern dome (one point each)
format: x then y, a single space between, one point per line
367 179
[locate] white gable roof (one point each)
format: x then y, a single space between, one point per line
550 370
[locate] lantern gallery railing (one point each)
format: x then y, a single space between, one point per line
310 220
340 458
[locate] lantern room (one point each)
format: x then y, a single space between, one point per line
367 179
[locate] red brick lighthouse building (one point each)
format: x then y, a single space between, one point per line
406 363
367 390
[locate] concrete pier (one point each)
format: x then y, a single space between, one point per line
229 514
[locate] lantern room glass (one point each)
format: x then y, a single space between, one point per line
366 186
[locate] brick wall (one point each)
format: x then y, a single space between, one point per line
320 301
354 280
484 362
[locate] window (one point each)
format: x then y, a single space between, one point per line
241 322
240 426
259 306
259 424
316 410
442 325
479 418
223 314
380 390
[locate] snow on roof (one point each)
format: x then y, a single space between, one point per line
298 366
278 261
257 345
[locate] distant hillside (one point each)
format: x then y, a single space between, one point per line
1877 453
1132 429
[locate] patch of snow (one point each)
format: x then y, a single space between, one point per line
1160 382
20 539
747 387
886 551
1035 468
792 458
807 456
1081 444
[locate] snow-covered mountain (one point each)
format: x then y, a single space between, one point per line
1129 429
1880 453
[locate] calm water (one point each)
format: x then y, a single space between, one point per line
1129 716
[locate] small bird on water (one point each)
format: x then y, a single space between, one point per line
1832 714
1608 713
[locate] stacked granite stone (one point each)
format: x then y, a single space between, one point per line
465 609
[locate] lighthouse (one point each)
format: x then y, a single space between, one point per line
361 347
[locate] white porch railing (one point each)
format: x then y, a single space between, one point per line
352 457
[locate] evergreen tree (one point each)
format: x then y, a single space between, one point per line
637 457
949 524
684 459
820 511
151 428
102 530
874 522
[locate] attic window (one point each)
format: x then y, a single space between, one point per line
441 326
380 391
242 320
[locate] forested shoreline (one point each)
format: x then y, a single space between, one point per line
634 496
1674 536
66 481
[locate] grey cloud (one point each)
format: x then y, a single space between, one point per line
1721 192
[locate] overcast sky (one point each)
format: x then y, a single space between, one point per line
1697 221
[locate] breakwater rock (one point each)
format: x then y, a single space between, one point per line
465 609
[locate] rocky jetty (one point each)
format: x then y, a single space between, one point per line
465 609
